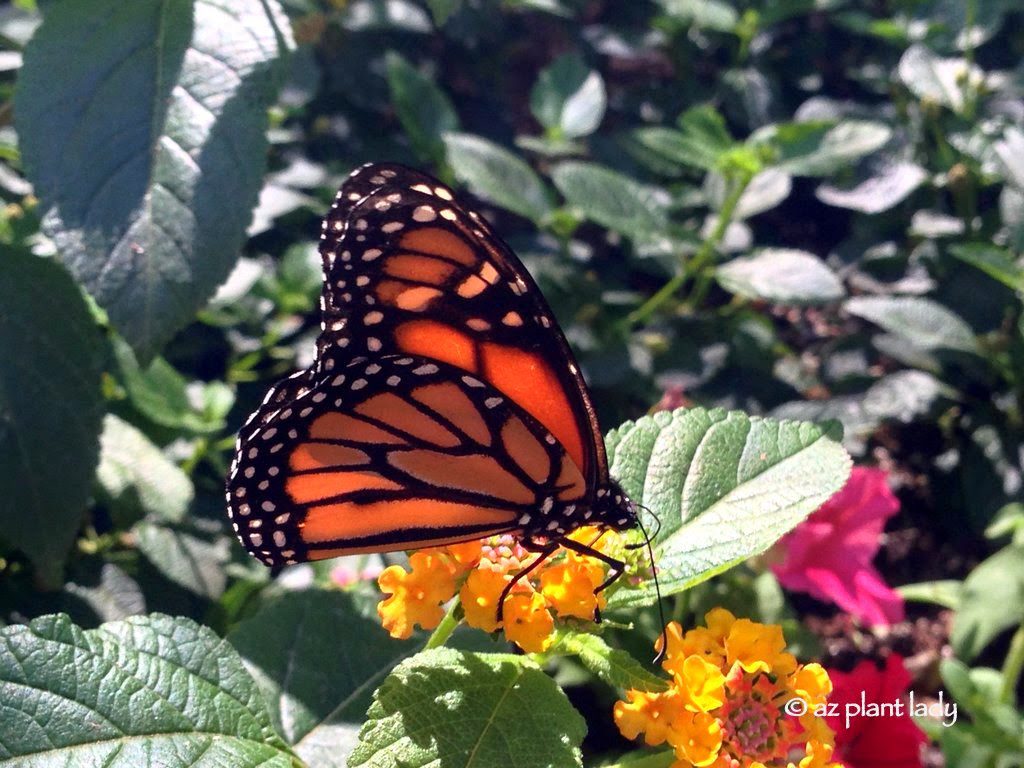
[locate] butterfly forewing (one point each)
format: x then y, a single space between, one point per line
398 452
408 270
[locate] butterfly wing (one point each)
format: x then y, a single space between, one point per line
409 270
400 452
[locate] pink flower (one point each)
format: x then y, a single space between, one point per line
829 554
888 738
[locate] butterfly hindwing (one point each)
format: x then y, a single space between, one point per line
394 452
408 270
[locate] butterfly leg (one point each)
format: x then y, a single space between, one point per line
617 567
545 551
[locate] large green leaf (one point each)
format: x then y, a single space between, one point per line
191 554
612 199
569 98
991 602
425 111
147 691
902 395
724 486
317 660
820 148
469 710
781 275
497 175
944 81
51 358
888 183
137 478
701 141
148 153
924 322
613 665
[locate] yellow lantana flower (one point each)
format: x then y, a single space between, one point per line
479 572
724 705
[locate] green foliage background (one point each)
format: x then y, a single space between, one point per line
812 212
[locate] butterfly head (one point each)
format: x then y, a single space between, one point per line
614 508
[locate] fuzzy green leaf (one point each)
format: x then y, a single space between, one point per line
724 486
317 687
147 691
135 474
497 175
612 199
569 97
613 665
51 358
423 108
463 710
781 275
924 322
160 126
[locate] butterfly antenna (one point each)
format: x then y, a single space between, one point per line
657 587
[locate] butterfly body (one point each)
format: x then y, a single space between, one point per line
444 404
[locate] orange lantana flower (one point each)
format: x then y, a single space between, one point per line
725 705
479 571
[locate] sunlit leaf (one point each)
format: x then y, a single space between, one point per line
146 692
161 129
724 486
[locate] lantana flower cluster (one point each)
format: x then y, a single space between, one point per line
726 705
478 571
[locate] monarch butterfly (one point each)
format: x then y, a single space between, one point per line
444 404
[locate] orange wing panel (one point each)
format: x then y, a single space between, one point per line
318 455
475 474
330 522
429 338
439 242
527 379
305 489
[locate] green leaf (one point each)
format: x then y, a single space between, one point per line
613 200
992 602
425 111
1010 151
701 142
147 691
569 98
187 555
945 592
161 128
997 263
613 665
820 148
456 709
317 688
497 175
766 190
51 410
137 477
161 394
903 395
944 81
781 275
724 486
889 184
926 323
442 10
706 14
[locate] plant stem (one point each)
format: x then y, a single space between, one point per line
1013 665
444 630
697 266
